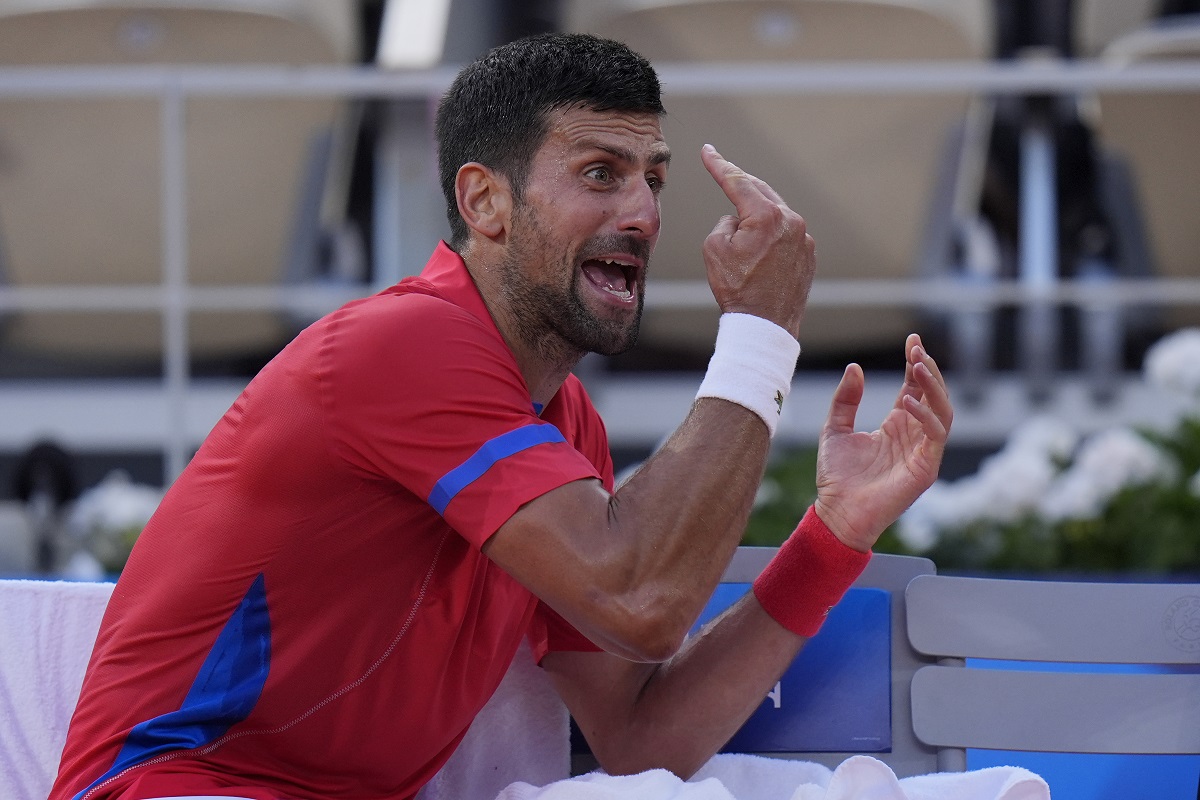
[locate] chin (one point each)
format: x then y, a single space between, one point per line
619 343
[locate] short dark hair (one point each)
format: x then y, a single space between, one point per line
495 113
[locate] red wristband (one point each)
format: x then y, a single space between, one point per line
808 576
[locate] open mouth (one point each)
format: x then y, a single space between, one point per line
613 276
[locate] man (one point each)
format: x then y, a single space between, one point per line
339 580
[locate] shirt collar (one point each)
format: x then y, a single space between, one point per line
447 273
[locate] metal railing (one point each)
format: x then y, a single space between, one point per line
173 86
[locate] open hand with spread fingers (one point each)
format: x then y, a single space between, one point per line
865 480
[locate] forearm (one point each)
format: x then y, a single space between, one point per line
682 515
728 668
687 508
693 704
679 519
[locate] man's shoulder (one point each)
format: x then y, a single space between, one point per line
413 333
416 308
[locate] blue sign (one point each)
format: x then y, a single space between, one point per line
836 695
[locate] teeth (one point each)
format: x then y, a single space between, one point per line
628 270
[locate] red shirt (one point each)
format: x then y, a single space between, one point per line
309 612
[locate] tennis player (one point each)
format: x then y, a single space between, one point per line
342 575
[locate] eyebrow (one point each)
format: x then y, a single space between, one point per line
661 155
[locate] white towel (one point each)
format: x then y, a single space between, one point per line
522 734
47 629
743 777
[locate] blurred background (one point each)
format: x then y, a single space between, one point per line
185 184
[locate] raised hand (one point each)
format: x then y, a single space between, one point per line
866 480
760 259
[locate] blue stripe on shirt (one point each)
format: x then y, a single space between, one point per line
225 691
489 453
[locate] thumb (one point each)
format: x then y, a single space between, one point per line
724 230
846 398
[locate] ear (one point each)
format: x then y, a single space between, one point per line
484 199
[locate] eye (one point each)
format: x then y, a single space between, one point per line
655 182
601 174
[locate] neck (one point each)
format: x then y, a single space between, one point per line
543 357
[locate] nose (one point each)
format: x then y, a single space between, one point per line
639 211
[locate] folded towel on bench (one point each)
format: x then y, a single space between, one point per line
745 777
522 734
47 629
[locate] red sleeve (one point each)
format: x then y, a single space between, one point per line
572 412
548 632
419 391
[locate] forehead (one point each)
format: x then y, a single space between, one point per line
636 136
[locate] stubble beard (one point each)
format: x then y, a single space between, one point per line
553 319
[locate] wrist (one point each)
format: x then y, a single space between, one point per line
808 576
840 527
752 365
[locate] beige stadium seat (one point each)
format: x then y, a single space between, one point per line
862 168
1156 133
1098 22
81 178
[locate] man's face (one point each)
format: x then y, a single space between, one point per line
580 241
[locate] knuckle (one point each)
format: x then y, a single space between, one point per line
714 244
777 217
797 223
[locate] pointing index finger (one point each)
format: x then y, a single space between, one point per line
743 190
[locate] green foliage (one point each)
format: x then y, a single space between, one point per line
1183 443
788 489
1151 529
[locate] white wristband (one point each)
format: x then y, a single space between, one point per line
752 365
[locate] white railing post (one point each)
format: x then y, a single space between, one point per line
176 369
1038 336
